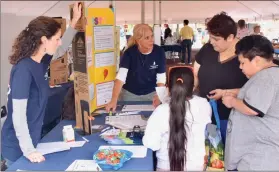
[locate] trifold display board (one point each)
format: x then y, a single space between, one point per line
94 57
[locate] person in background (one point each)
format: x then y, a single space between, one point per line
187 38
253 131
205 35
142 68
167 31
28 88
216 67
242 30
175 130
169 40
257 30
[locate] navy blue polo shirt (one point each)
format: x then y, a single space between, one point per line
142 69
27 81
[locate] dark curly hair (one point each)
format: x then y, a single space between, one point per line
28 41
222 25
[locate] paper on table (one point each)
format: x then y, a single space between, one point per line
84 165
138 151
163 94
52 147
138 108
76 144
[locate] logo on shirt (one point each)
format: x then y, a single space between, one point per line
153 66
46 74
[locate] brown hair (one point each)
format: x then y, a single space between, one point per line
29 40
138 32
222 25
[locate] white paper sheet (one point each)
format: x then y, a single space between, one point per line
91 91
138 151
138 108
103 37
84 165
104 59
104 92
89 50
52 147
163 94
76 144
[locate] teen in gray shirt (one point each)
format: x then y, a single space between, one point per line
253 128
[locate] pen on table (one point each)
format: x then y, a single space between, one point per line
105 129
85 139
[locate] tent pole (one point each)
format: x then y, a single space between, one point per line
142 12
160 12
154 13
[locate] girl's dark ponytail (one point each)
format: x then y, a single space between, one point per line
181 85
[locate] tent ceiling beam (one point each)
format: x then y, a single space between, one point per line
50 8
249 8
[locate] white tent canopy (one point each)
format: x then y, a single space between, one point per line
172 11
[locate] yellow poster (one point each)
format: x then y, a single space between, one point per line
101 54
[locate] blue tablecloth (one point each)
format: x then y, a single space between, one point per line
61 160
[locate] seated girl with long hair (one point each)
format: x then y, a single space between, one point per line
175 130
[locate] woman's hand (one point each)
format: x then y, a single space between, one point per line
36 157
111 105
216 94
76 14
156 101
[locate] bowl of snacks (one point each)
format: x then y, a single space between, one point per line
112 158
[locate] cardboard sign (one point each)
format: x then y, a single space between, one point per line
94 60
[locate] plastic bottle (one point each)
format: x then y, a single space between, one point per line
68 133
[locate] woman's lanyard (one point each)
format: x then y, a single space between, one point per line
142 59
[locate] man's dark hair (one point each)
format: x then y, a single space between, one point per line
241 23
186 22
255 45
222 25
